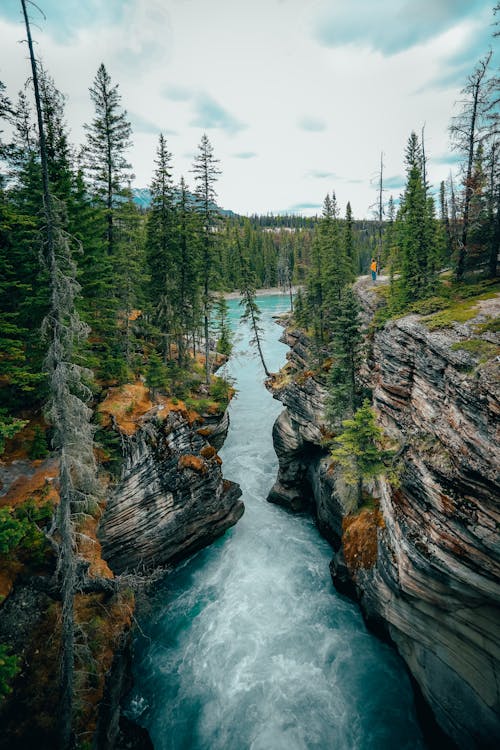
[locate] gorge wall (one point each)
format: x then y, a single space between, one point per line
425 563
171 498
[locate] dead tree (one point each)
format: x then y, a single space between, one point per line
66 409
467 130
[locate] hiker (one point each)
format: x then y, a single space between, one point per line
373 269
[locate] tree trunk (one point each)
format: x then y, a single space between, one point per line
380 210
495 241
68 569
360 490
257 341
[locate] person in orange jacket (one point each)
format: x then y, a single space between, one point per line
373 269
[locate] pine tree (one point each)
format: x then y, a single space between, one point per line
206 173
222 329
348 240
107 141
346 343
161 246
416 232
108 137
129 279
251 310
38 447
337 271
299 311
358 451
156 374
315 293
445 221
189 305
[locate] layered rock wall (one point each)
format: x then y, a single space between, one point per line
434 581
171 499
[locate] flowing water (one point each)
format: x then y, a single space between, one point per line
247 645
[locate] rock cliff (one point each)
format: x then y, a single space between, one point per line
171 498
426 564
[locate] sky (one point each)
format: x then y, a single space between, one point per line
297 97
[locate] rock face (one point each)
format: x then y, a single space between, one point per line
171 499
435 583
305 479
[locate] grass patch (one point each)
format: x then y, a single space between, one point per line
463 305
492 325
484 350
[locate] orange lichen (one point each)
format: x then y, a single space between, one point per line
90 548
188 461
208 451
105 623
9 570
359 538
41 486
204 431
125 405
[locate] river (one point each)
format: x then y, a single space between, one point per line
247 645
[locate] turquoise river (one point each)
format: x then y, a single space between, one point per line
247 645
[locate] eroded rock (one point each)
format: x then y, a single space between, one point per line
171 499
434 586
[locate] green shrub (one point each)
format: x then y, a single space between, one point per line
38 447
9 668
12 530
220 390
483 349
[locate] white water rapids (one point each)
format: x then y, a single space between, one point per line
247 645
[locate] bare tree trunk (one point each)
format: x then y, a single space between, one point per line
207 345
257 341
380 210
468 189
66 411
494 228
68 568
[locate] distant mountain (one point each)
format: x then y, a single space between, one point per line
142 198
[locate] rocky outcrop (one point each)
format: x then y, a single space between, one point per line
433 582
305 477
171 499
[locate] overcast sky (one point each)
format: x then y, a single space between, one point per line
298 97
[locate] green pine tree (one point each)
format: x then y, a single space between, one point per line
358 452
206 174
346 346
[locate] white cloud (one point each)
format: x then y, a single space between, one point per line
186 65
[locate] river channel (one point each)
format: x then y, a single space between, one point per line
247 645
